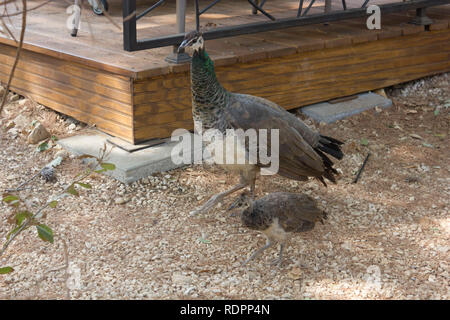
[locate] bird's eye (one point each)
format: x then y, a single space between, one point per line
195 41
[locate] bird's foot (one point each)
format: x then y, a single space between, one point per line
207 205
216 199
277 262
236 203
246 261
233 206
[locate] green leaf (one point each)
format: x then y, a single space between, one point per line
206 241
21 216
436 111
440 135
85 156
108 166
84 185
8 198
100 171
425 144
54 138
53 204
73 191
11 200
42 147
6 270
45 233
364 142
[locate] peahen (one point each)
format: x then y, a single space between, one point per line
278 215
302 151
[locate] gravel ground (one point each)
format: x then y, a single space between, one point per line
387 237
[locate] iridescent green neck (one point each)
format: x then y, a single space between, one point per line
202 60
207 92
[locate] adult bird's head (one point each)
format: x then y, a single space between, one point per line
194 40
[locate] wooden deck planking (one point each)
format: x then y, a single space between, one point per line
299 79
71 90
138 96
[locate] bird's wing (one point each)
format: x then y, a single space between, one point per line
293 207
310 136
297 158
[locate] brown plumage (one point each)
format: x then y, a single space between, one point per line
279 215
302 151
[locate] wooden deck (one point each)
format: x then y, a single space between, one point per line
138 96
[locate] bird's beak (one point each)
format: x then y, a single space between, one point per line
184 44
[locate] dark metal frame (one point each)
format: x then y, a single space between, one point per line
131 43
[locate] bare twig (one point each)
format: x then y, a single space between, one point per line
55 269
21 186
8 31
66 261
5 11
28 221
6 2
19 48
107 15
130 16
361 169
86 8
24 9
22 227
104 153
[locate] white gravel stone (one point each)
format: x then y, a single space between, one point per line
38 134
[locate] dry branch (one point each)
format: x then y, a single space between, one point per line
24 9
19 48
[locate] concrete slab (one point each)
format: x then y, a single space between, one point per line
331 112
136 163
130 166
135 147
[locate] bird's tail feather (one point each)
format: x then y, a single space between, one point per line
324 216
329 172
331 146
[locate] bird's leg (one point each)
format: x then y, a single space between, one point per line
258 252
249 177
217 198
252 187
277 262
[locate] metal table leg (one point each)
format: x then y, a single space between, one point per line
77 15
421 17
175 56
327 6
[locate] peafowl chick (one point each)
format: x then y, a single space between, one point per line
301 150
278 215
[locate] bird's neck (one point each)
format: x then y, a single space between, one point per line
207 92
